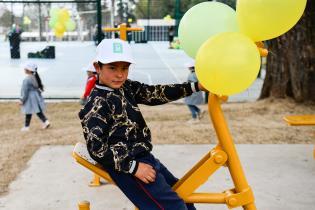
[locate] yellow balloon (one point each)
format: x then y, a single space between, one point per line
60 27
63 15
26 20
59 34
267 19
227 63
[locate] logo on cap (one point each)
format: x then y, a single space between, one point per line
117 48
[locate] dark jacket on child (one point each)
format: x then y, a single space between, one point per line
113 126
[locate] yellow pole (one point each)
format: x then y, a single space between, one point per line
226 142
84 205
96 182
122 30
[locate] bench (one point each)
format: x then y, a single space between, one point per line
296 120
301 120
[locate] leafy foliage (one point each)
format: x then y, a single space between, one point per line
161 8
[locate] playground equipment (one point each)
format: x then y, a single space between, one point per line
47 52
299 120
123 29
224 154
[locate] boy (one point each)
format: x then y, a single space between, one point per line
117 136
91 73
196 98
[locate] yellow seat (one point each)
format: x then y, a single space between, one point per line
82 156
296 120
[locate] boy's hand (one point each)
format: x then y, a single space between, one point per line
145 173
202 88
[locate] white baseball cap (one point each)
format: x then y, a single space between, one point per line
113 50
190 64
30 66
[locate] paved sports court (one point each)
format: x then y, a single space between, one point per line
63 77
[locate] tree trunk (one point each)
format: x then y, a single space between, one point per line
291 62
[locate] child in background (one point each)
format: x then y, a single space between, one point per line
116 133
196 98
171 33
90 84
31 100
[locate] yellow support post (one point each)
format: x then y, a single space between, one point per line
123 29
224 154
96 181
233 162
200 173
84 205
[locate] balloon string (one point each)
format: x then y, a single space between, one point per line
272 53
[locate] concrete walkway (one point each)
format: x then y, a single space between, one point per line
281 176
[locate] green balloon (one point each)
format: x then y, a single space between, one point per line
54 12
203 21
70 25
52 22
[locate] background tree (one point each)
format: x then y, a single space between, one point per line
291 64
5 19
161 8
231 3
89 18
32 12
121 10
158 8
87 13
125 11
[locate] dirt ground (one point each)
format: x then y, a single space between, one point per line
250 123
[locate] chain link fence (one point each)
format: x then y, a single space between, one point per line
33 18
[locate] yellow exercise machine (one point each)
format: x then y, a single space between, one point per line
299 120
123 29
224 154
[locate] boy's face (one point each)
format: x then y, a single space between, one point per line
113 74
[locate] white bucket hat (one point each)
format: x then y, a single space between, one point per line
113 50
30 66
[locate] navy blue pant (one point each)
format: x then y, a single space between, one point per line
195 111
157 195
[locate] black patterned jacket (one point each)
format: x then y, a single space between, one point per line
113 126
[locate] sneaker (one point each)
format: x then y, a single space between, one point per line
25 129
46 124
201 114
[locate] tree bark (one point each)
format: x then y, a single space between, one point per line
290 70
